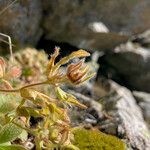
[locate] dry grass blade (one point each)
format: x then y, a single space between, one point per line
10 44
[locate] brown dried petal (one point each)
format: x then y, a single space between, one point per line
74 72
74 67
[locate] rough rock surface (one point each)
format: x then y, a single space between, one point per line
114 112
21 20
73 24
89 116
143 38
131 62
126 120
143 100
84 23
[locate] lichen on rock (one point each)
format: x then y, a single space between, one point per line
96 140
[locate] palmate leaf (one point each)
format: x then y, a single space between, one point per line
5 144
68 98
2 120
23 136
7 102
9 132
28 112
36 97
12 147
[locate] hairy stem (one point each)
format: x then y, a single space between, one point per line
9 91
34 84
27 86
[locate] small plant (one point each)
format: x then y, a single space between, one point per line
17 106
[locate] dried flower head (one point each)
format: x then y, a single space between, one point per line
76 73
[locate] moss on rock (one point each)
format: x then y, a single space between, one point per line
96 140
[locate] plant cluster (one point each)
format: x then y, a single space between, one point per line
18 106
33 64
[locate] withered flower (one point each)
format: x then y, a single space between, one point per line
76 73
8 73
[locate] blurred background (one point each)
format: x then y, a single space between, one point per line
116 33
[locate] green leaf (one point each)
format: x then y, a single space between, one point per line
0 126
33 112
72 100
2 120
23 136
21 111
9 132
61 94
5 144
7 103
12 147
68 98
33 95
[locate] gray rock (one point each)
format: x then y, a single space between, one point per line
143 38
143 100
89 116
85 23
132 63
125 116
142 96
21 20
82 23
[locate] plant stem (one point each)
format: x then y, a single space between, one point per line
34 84
27 86
9 91
37 143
